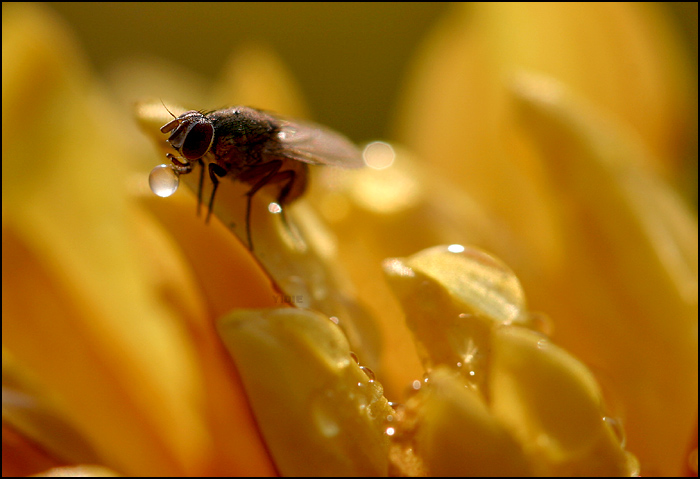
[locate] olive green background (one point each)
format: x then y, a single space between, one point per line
348 58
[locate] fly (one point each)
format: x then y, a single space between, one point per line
255 148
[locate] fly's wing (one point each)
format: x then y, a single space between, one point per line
318 145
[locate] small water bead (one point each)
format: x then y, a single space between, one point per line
354 357
617 428
163 180
369 373
274 208
541 322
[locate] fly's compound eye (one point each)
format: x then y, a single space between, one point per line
192 134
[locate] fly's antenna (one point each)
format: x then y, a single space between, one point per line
166 108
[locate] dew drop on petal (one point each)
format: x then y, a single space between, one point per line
163 181
455 248
616 426
369 373
542 323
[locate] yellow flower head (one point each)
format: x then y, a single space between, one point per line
373 329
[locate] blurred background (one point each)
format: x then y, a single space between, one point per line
348 59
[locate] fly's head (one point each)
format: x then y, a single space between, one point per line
192 134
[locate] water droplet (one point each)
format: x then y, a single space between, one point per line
390 431
163 180
274 208
455 248
369 373
416 385
334 319
379 155
354 357
542 323
616 426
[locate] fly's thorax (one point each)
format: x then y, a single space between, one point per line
243 126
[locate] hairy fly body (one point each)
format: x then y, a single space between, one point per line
255 148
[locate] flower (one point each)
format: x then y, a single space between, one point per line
140 339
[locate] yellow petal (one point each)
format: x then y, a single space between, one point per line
318 410
21 457
627 59
82 274
467 311
451 430
32 409
452 296
552 404
628 304
67 251
397 210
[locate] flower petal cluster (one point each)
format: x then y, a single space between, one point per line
380 333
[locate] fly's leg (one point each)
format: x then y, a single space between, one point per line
295 185
199 190
184 168
261 175
290 176
215 172
177 165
